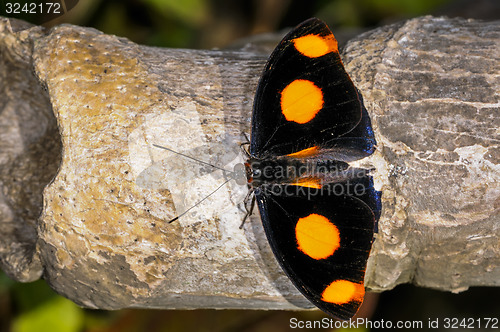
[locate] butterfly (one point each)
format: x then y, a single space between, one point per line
319 214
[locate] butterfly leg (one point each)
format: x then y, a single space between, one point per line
244 148
249 209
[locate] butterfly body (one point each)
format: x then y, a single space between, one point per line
295 171
319 214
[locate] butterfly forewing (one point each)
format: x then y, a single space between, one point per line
304 98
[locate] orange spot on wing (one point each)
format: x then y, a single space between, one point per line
308 182
314 46
304 153
301 100
316 236
343 291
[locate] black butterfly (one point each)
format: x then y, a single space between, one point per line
319 214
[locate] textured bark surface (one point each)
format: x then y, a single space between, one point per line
434 92
431 86
30 150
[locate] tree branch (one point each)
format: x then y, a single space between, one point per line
103 239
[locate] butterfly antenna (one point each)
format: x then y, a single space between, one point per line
201 162
199 202
189 157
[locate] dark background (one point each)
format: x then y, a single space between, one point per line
206 24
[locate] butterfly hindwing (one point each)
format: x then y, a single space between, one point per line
305 97
322 238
